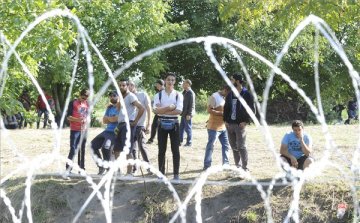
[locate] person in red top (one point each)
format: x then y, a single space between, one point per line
76 115
41 108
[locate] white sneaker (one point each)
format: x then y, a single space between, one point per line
243 176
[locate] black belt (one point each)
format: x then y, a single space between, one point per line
164 117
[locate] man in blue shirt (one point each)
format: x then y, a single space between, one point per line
106 139
296 147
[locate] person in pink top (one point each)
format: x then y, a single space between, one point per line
76 115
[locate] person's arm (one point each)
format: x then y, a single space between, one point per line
141 109
38 102
284 151
210 110
191 104
109 119
148 110
73 119
306 148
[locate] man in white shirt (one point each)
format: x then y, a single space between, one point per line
132 104
141 129
168 105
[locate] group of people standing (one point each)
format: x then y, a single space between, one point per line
227 121
168 105
19 119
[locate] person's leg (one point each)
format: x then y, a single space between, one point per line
209 148
174 140
188 130
162 142
233 143
39 117
223 138
304 162
154 127
96 144
81 153
241 140
74 140
46 117
135 151
181 130
142 145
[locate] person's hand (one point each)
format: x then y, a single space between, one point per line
134 124
242 125
172 107
226 125
188 117
158 105
147 129
294 162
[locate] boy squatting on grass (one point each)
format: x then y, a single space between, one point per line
296 147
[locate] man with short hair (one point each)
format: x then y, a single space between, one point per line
106 139
236 118
141 129
132 104
296 147
187 113
159 86
76 115
216 127
168 105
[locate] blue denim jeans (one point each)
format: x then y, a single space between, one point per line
223 138
46 114
74 142
185 126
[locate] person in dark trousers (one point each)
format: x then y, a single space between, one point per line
105 140
236 118
76 115
352 105
159 86
142 128
187 113
168 106
41 108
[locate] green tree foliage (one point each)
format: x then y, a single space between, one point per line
267 25
120 30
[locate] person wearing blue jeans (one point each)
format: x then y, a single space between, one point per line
75 137
216 127
187 113
223 138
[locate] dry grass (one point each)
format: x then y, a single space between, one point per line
54 199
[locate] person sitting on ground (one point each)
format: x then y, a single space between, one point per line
106 139
10 122
338 110
296 147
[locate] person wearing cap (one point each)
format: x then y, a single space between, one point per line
187 113
236 118
106 139
159 85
